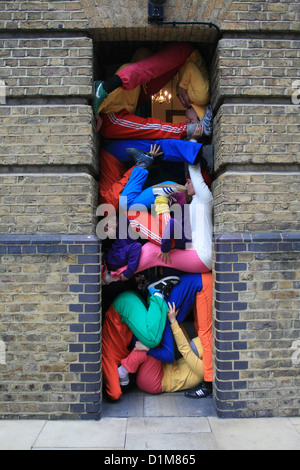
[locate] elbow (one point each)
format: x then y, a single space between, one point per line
169 357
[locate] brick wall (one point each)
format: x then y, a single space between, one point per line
49 155
249 68
40 136
129 21
48 66
50 261
257 301
266 135
50 327
256 193
48 203
49 278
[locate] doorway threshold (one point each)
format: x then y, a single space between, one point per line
138 404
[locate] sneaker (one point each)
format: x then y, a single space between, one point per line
167 189
204 391
164 286
123 376
207 121
99 95
141 159
106 277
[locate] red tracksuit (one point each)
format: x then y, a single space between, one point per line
123 125
154 72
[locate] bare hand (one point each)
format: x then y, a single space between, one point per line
172 314
199 131
165 257
140 346
123 278
155 150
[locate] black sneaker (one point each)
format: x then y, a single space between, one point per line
141 159
164 286
204 391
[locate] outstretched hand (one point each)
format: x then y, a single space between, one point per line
155 150
165 257
172 313
199 131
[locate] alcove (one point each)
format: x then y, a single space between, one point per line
108 57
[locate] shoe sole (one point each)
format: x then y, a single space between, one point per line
179 187
168 189
169 278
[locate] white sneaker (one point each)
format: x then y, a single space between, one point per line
107 278
123 376
167 189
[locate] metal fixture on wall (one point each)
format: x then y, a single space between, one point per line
156 10
156 14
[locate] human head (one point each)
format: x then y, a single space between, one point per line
189 187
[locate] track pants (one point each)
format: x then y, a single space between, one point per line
203 324
115 161
182 260
123 125
149 371
161 65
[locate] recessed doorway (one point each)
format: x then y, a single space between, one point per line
166 107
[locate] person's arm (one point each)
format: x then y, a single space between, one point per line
202 191
168 236
164 352
134 254
181 341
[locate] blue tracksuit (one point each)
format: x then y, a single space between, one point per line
184 296
174 150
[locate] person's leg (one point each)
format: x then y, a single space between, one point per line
174 150
149 371
171 57
184 294
147 324
151 227
122 125
147 226
203 323
133 188
183 260
116 337
113 178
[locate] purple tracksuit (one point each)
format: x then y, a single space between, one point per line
124 252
